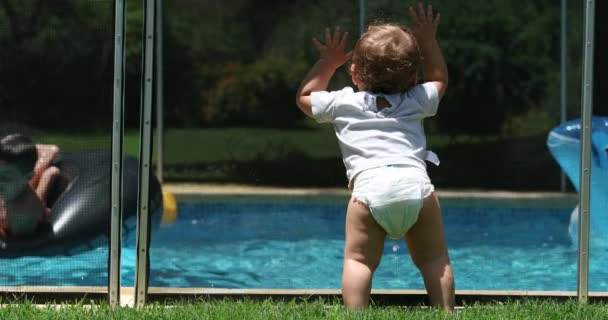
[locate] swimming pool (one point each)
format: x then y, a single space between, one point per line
231 243
296 243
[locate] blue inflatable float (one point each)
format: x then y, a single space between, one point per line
565 146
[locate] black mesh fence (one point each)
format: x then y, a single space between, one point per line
56 81
231 70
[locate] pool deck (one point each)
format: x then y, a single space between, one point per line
228 189
185 192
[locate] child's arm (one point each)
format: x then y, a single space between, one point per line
425 27
332 56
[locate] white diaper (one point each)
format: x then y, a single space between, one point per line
394 195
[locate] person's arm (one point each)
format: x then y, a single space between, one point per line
434 67
47 153
332 56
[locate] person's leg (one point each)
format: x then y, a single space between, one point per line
47 153
428 248
46 180
363 250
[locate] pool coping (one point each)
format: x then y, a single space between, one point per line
44 295
190 192
190 189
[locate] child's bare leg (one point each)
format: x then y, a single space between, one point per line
428 248
363 250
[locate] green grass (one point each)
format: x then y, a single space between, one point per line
246 155
243 144
232 144
211 145
266 310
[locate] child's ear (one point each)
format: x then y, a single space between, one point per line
354 74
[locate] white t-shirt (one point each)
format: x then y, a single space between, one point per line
369 138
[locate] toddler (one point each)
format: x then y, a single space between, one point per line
381 136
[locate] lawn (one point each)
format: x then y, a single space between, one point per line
242 155
310 157
303 310
211 145
231 144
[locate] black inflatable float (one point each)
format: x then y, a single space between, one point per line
79 218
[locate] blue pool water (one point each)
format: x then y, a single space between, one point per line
269 245
238 243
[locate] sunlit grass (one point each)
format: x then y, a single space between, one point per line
244 155
298 309
233 144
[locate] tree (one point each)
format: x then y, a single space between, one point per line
56 69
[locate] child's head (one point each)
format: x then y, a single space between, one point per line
386 60
18 157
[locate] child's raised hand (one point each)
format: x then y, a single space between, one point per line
332 51
425 24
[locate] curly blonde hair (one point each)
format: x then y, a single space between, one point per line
387 59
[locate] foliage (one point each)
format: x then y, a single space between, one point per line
503 58
238 62
56 61
533 122
259 94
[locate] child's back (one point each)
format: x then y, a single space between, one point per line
371 136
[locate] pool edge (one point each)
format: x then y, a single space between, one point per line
194 189
185 193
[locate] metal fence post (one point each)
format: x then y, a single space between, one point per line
145 155
117 151
564 76
160 133
585 167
